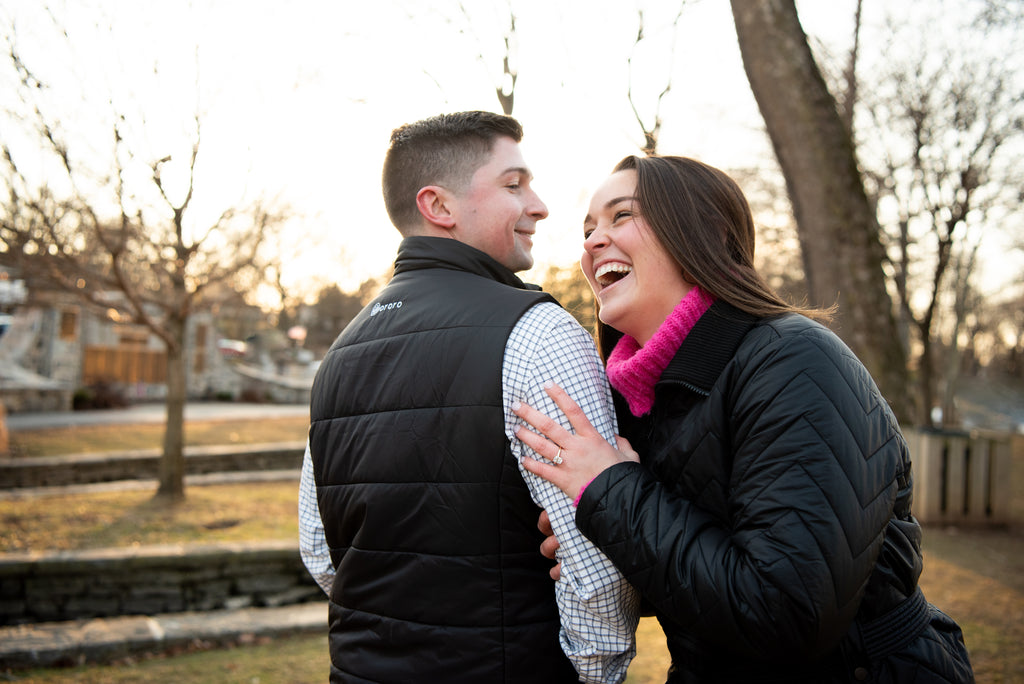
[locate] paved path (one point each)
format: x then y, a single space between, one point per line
152 413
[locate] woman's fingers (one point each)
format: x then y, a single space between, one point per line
549 546
567 460
544 524
577 418
548 427
544 447
556 475
624 447
551 428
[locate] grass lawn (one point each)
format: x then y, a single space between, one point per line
299 660
88 439
213 513
975 576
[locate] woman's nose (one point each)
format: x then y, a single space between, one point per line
597 239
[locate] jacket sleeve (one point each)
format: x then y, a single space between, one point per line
815 456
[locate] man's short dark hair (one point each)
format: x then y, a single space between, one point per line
444 150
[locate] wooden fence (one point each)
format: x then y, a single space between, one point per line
961 477
124 365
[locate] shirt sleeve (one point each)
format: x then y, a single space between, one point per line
599 608
312 541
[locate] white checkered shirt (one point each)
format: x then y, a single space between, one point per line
599 608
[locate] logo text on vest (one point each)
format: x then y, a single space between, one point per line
378 307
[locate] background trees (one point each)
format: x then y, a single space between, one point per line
116 228
940 129
581 76
894 181
836 223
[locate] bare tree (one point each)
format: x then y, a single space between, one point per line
839 233
966 301
120 238
941 152
1005 326
652 130
849 93
505 88
332 311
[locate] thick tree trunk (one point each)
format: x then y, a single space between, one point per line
172 462
839 233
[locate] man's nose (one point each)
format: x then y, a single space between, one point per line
537 209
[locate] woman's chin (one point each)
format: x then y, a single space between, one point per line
608 316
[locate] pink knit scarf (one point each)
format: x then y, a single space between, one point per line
633 370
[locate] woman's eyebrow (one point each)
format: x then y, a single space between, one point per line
608 205
612 202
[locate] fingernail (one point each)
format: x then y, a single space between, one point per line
548 384
516 405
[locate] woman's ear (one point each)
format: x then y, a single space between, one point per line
434 203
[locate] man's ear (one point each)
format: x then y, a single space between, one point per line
434 203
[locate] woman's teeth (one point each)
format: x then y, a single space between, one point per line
606 274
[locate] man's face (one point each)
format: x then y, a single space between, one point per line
498 211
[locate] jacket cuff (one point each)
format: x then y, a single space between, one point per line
576 501
592 499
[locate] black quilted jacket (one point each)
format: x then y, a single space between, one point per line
769 526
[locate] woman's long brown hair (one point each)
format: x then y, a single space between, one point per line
702 219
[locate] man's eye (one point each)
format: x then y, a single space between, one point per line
513 186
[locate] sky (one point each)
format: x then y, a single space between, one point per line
297 100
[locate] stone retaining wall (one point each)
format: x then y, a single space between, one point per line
72 585
144 464
30 398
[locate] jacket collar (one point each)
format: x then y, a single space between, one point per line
708 348
420 252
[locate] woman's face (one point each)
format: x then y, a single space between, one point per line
636 281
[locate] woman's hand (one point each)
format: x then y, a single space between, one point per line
575 459
549 547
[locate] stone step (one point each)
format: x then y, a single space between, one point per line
101 640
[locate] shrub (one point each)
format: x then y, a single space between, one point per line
103 394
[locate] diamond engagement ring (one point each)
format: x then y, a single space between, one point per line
557 460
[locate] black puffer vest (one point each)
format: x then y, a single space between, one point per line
430 525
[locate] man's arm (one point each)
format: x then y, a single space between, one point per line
599 608
312 541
